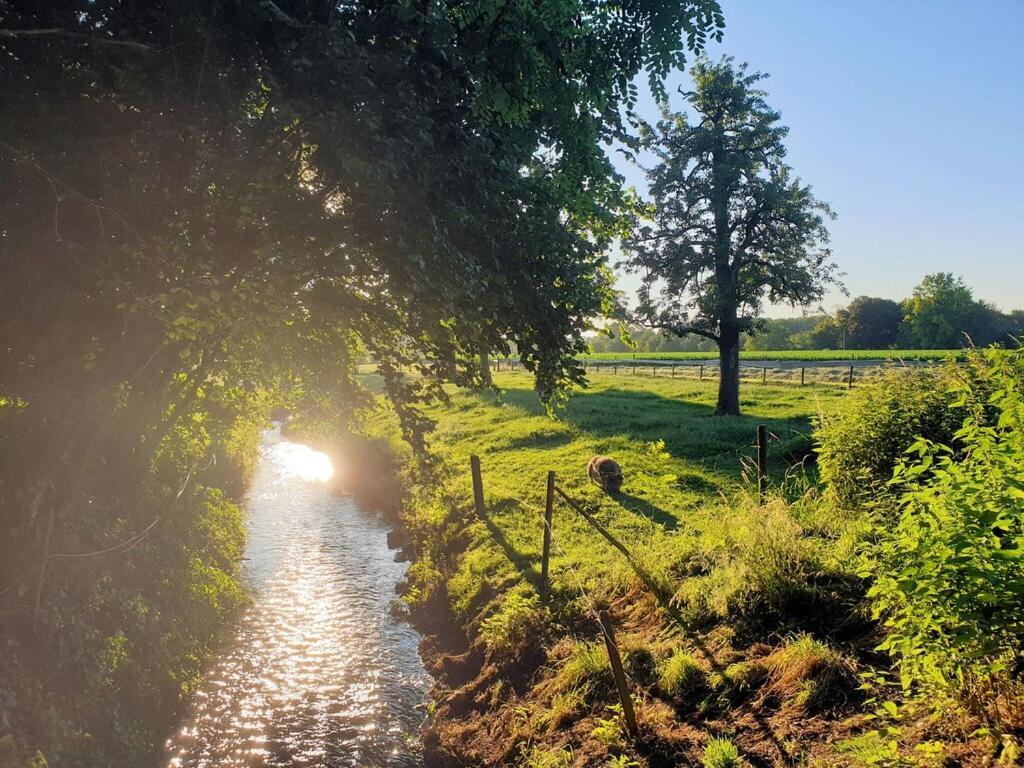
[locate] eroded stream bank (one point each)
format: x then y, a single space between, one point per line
319 670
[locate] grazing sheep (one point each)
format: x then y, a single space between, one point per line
606 472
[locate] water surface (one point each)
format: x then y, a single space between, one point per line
319 671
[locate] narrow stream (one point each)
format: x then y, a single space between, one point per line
319 672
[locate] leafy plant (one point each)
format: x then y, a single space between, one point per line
609 729
949 576
622 761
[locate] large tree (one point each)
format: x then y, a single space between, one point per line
942 313
873 323
731 225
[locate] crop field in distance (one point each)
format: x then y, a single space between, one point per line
791 354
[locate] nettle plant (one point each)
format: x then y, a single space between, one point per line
949 576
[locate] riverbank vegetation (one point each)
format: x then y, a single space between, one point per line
849 620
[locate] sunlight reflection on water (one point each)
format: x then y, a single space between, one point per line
319 672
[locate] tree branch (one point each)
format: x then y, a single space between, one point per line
76 35
681 330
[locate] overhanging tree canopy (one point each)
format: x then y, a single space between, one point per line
200 199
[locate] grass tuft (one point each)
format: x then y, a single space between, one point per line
586 672
682 677
810 675
721 753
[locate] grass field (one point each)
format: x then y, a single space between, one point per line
738 574
677 457
791 354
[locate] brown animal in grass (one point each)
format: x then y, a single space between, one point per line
606 472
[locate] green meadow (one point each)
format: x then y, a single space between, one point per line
774 630
729 571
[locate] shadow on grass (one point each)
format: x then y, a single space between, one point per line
527 565
640 506
690 430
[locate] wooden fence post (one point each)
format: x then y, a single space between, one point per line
701 377
673 371
802 369
620 676
764 375
549 506
849 383
616 369
634 369
762 462
478 485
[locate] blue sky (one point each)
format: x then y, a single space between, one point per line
908 118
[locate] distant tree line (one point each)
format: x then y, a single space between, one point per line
941 313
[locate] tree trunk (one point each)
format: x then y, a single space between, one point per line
728 373
485 367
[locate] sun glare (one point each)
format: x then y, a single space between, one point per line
302 461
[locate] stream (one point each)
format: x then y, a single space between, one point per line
318 671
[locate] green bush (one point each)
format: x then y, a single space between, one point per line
860 444
949 575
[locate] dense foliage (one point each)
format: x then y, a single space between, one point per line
941 314
201 202
861 442
949 575
106 628
731 226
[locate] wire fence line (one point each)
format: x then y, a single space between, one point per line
807 372
602 617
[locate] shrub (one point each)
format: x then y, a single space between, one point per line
682 677
720 753
949 576
861 443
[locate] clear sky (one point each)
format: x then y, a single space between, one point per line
907 116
